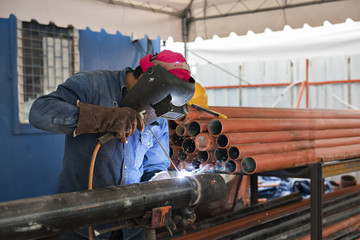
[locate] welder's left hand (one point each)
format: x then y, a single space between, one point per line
183 218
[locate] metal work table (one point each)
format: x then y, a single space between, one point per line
315 172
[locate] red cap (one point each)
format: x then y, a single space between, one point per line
172 61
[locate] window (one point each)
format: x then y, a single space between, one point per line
47 56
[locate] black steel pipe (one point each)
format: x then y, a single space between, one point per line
43 216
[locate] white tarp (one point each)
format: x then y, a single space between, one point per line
279 57
307 42
96 15
258 19
164 18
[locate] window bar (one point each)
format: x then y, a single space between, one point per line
61 54
46 55
54 53
32 60
39 64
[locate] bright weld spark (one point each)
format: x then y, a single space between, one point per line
184 173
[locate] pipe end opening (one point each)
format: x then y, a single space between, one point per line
215 127
189 145
193 129
203 156
248 165
222 141
230 166
221 154
201 142
234 153
180 130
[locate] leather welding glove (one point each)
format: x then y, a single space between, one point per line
121 121
183 218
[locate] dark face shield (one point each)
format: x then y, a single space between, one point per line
161 94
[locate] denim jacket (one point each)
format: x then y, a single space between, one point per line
116 163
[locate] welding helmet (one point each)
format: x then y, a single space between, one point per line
200 96
163 89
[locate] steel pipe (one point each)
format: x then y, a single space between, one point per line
177 140
277 161
182 154
181 130
46 215
341 225
189 145
226 139
193 114
231 225
172 124
206 156
174 151
205 142
221 154
237 152
257 112
218 126
196 127
232 166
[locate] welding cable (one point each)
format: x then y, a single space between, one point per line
90 183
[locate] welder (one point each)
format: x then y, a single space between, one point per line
89 104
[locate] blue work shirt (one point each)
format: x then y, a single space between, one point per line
116 163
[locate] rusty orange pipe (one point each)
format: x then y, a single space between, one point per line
283 84
205 142
334 228
232 166
182 154
177 140
249 221
189 145
221 154
237 152
181 130
196 127
218 126
174 150
226 139
300 94
206 156
257 112
271 162
193 114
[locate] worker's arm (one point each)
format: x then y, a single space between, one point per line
155 160
57 111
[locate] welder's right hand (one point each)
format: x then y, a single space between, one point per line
121 121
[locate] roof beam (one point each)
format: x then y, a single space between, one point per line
285 6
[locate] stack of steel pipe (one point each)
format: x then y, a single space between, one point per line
283 218
255 140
